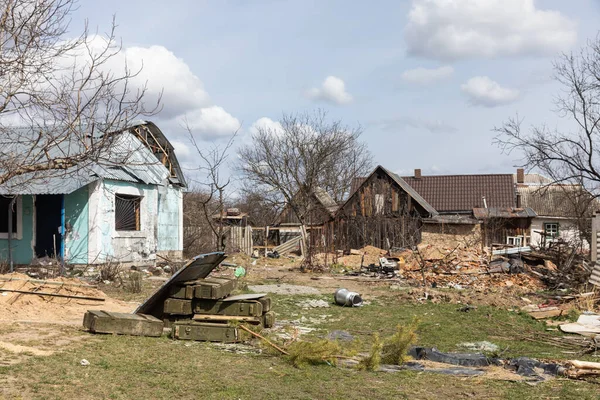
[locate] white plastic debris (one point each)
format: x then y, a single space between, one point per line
84 362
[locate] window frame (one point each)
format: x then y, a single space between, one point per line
18 221
515 239
137 211
551 236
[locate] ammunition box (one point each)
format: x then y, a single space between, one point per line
268 319
248 308
178 306
205 332
122 323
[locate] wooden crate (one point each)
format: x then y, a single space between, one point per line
122 323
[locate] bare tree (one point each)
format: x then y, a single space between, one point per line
307 152
198 234
59 95
212 162
263 208
570 156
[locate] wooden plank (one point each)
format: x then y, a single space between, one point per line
545 313
45 282
68 296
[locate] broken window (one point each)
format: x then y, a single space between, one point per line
551 230
127 212
515 240
4 205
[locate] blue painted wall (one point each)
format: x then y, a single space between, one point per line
168 219
21 248
77 222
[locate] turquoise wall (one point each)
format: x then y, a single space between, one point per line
168 219
21 248
77 222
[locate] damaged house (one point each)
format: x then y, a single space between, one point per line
127 208
318 208
564 211
386 210
473 208
383 210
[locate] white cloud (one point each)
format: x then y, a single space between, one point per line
425 76
266 124
482 91
454 29
182 149
157 69
211 122
333 90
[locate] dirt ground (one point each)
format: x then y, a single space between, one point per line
37 325
28 308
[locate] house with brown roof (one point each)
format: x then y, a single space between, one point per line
463 209
383 210
564 211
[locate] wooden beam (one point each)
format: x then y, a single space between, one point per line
68 296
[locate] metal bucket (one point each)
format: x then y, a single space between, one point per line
344 297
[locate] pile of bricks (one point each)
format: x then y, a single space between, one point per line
204 310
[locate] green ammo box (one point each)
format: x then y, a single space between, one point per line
122 323
246 308
182 292
205 332
269 319
178 306
213 288
266 303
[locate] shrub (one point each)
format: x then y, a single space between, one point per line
395 347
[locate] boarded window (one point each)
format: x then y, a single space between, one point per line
127 212
379 202
395 201
4 205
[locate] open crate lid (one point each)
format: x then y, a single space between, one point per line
199 267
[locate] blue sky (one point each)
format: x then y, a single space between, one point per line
426 79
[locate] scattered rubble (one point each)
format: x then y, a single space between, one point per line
284 288
468 267
306 304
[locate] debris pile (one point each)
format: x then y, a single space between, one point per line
465 266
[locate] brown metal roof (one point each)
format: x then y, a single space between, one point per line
463 193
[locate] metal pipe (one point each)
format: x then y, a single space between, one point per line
346 298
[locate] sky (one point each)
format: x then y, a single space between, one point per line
427 80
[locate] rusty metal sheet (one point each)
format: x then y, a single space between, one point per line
503 212
199 267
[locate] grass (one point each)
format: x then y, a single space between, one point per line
125 367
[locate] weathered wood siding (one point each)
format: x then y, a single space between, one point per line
380 213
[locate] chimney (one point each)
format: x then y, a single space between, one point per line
417 174
520 175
